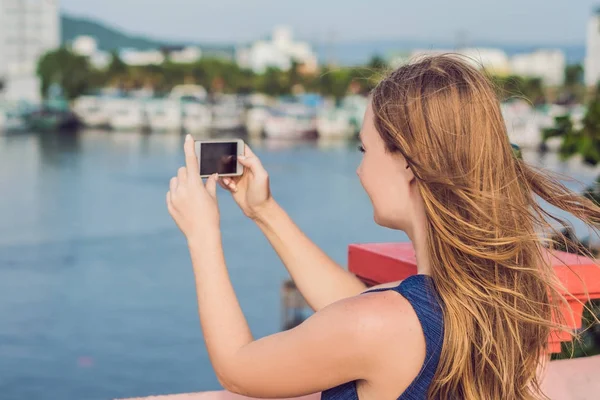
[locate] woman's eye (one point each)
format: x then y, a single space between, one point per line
361 148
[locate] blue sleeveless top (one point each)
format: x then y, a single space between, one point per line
421 294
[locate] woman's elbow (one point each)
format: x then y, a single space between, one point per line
227 381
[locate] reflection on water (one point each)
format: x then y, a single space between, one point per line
96 292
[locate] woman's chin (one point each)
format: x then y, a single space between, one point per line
387 222
381 221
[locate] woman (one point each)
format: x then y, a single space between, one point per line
473 324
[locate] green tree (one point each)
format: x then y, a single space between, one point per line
116 66
273 82
340 82
293 74
532 89
573 74
246 82
171 74
325 81
212 73
117 72
589 142
563 128
573 90
377 63
586 141
207 71
70 71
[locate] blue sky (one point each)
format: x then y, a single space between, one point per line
507 21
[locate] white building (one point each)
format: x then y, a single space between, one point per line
88 46
494 61
138 58
187 55
592 57
101 59
28 29
279 52
549 65
135 57
85 46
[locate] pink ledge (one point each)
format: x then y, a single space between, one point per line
215 396
575 379
376 263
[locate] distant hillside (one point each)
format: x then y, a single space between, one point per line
110 38
344 53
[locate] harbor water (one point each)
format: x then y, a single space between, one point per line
97 295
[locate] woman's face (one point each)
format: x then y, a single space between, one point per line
387 179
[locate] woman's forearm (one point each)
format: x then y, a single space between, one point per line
224 326
320 279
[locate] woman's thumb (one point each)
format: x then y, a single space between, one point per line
252 163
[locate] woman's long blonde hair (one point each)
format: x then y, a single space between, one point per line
485 227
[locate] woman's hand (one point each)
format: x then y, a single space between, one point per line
193 205
251 190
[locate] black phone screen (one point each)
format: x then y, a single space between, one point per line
220 158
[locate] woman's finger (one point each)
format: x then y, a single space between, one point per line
170 204
211 185
173 185
191 161
223 185
231 184
182 174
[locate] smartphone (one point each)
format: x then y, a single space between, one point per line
220 157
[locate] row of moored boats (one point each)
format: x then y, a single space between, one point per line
188 108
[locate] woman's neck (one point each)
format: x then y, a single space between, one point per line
418 236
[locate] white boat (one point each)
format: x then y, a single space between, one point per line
356 105
344 121
228 114
92 111
256 118
12 118
127 114
188 92
523 124
291 121
257 114
335 123
197 117
577 115
164 115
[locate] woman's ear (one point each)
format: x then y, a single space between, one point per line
410 176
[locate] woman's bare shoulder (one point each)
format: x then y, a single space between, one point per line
380 315
391 329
